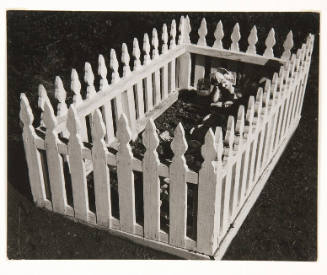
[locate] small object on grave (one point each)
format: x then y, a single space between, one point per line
220 86
165 136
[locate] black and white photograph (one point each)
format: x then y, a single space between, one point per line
156 135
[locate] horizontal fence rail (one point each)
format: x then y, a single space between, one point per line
78 139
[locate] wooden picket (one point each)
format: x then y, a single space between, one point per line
77 169
55 164
233 166
209 193
178 189
100 171
151 184
32 155
125 177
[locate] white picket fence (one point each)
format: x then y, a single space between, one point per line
235 167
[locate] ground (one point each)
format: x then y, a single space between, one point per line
283 222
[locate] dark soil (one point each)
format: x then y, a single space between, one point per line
282 224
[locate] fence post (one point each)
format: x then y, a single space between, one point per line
184 61
172 65
199 67
77 169
55 164
178 189
209 205
151 184
125 177
33 159
270 42
235 37
100 171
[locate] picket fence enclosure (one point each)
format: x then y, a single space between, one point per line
235 167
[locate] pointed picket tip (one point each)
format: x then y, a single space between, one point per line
136 48
25 113
150 136
259 94
250 110
179 144
219 35
202 32
113 60
73 123
98 126
102 69
125 58
88 75
239 128
288 45
252 40
230 134
236 35
49 117
43 96
219 143
123 131
208 149
146 43
230 123
60 92
75 84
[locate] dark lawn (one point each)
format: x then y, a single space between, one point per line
282 224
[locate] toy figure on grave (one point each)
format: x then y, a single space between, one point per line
220 86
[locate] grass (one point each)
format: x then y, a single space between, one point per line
282 224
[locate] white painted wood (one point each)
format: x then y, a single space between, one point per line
238 144
32 155
77 169
139 85
202 32
155 55
282 76
248 132
100 172
270 42
106 109
172 76
89 79
125 177
184 71
288 45
252 40
230 176
114 65
181 29
151 183
164 74
230 55
88 106
235 37
130 101
264 125
148 80
55 164
172 43
257 124
208 217
75 86
219 35
188 29
276 111
178 189
60 95
199 68
43 97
